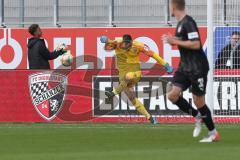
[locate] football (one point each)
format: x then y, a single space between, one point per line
67 59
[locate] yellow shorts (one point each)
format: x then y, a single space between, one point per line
130 78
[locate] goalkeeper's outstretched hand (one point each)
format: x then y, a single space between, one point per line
168 68
104 39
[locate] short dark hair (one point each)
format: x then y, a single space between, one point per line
236 33
180 4
33 28
127 38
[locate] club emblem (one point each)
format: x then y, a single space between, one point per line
47 91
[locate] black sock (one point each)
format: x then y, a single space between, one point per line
186 107
207 117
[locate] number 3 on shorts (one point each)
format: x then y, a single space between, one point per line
201 84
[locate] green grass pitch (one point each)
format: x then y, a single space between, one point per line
114 142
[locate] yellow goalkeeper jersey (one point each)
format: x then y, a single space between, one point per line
129 60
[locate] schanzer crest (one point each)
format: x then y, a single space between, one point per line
47 91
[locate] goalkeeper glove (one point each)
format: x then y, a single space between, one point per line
104 39
168 68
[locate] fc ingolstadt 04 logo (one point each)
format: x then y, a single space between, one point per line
47 91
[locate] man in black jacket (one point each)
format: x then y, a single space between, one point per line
229 57
38 54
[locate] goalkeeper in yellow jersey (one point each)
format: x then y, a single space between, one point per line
127 53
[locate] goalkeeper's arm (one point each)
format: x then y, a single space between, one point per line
159 59
109 44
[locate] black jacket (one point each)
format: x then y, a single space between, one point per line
39 55
224 58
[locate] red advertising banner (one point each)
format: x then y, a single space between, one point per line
84 44
77 96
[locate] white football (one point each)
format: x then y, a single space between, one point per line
67 59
